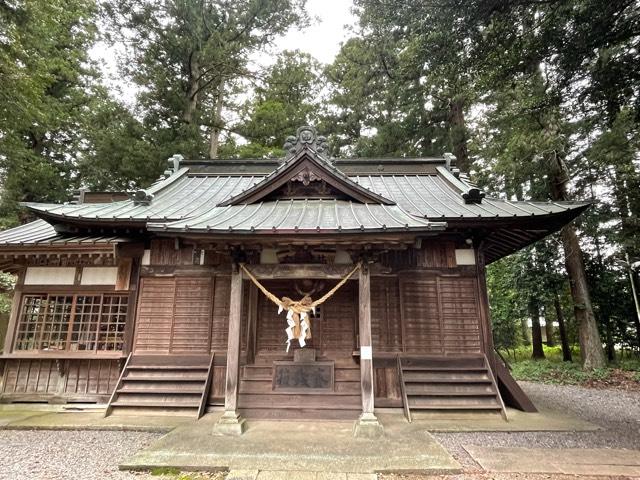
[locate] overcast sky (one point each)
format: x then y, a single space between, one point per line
322 39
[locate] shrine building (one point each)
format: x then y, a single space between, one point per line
306 287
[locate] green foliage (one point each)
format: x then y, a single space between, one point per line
45 90
7 284
564 373
553 370
284 100
189 56
120 155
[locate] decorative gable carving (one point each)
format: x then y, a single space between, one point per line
307 174
306 137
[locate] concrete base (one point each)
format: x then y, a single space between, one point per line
318 446
230 423
368 426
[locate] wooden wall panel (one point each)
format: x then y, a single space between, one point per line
40 379
183 315
386 328
192 315
155 315
91 377
387 387
334 330
422 332
271 336
30 376
220 321
216 393
436 254
164 252
339 320
431 254
441 314
460 315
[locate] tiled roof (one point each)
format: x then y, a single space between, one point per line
40 233
300 216
192 195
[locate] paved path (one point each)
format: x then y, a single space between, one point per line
297 446
569 461
297 475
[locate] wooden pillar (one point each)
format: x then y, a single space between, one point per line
14 319
252 321
231 423
367 425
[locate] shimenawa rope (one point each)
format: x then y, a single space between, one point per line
298 320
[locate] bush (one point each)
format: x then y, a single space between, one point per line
546 371
554 370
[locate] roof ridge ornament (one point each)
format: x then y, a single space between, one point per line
472 194
174 164
305 137
450 163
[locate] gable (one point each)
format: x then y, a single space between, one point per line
307 174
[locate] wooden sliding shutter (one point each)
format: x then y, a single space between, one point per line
182 315
460 315
155 314
386 329
440 315
192 315
420 316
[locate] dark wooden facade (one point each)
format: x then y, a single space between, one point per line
154 313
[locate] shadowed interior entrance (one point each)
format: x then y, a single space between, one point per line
276 386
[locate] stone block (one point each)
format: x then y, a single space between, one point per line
230 423
242 475
368 426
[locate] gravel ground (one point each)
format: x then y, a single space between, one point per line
89 455
617 412
58 455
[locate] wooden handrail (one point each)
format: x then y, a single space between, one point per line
501 357
405 401
107 410
207 387
503 409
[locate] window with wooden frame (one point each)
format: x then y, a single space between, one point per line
72 323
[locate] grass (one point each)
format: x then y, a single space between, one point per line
171 473
554 371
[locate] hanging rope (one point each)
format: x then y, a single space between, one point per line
298 320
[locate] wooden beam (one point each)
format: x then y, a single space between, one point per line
305 270
252 319
230 423
366 351
367 425
15 312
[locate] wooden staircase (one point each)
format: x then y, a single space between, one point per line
452 384
156 385
258 399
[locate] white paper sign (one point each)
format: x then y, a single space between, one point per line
366 353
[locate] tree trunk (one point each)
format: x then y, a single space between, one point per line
214 135
191 99
610 350
526 336
458 133
536 331
591 350
548 328
636 301
564 340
